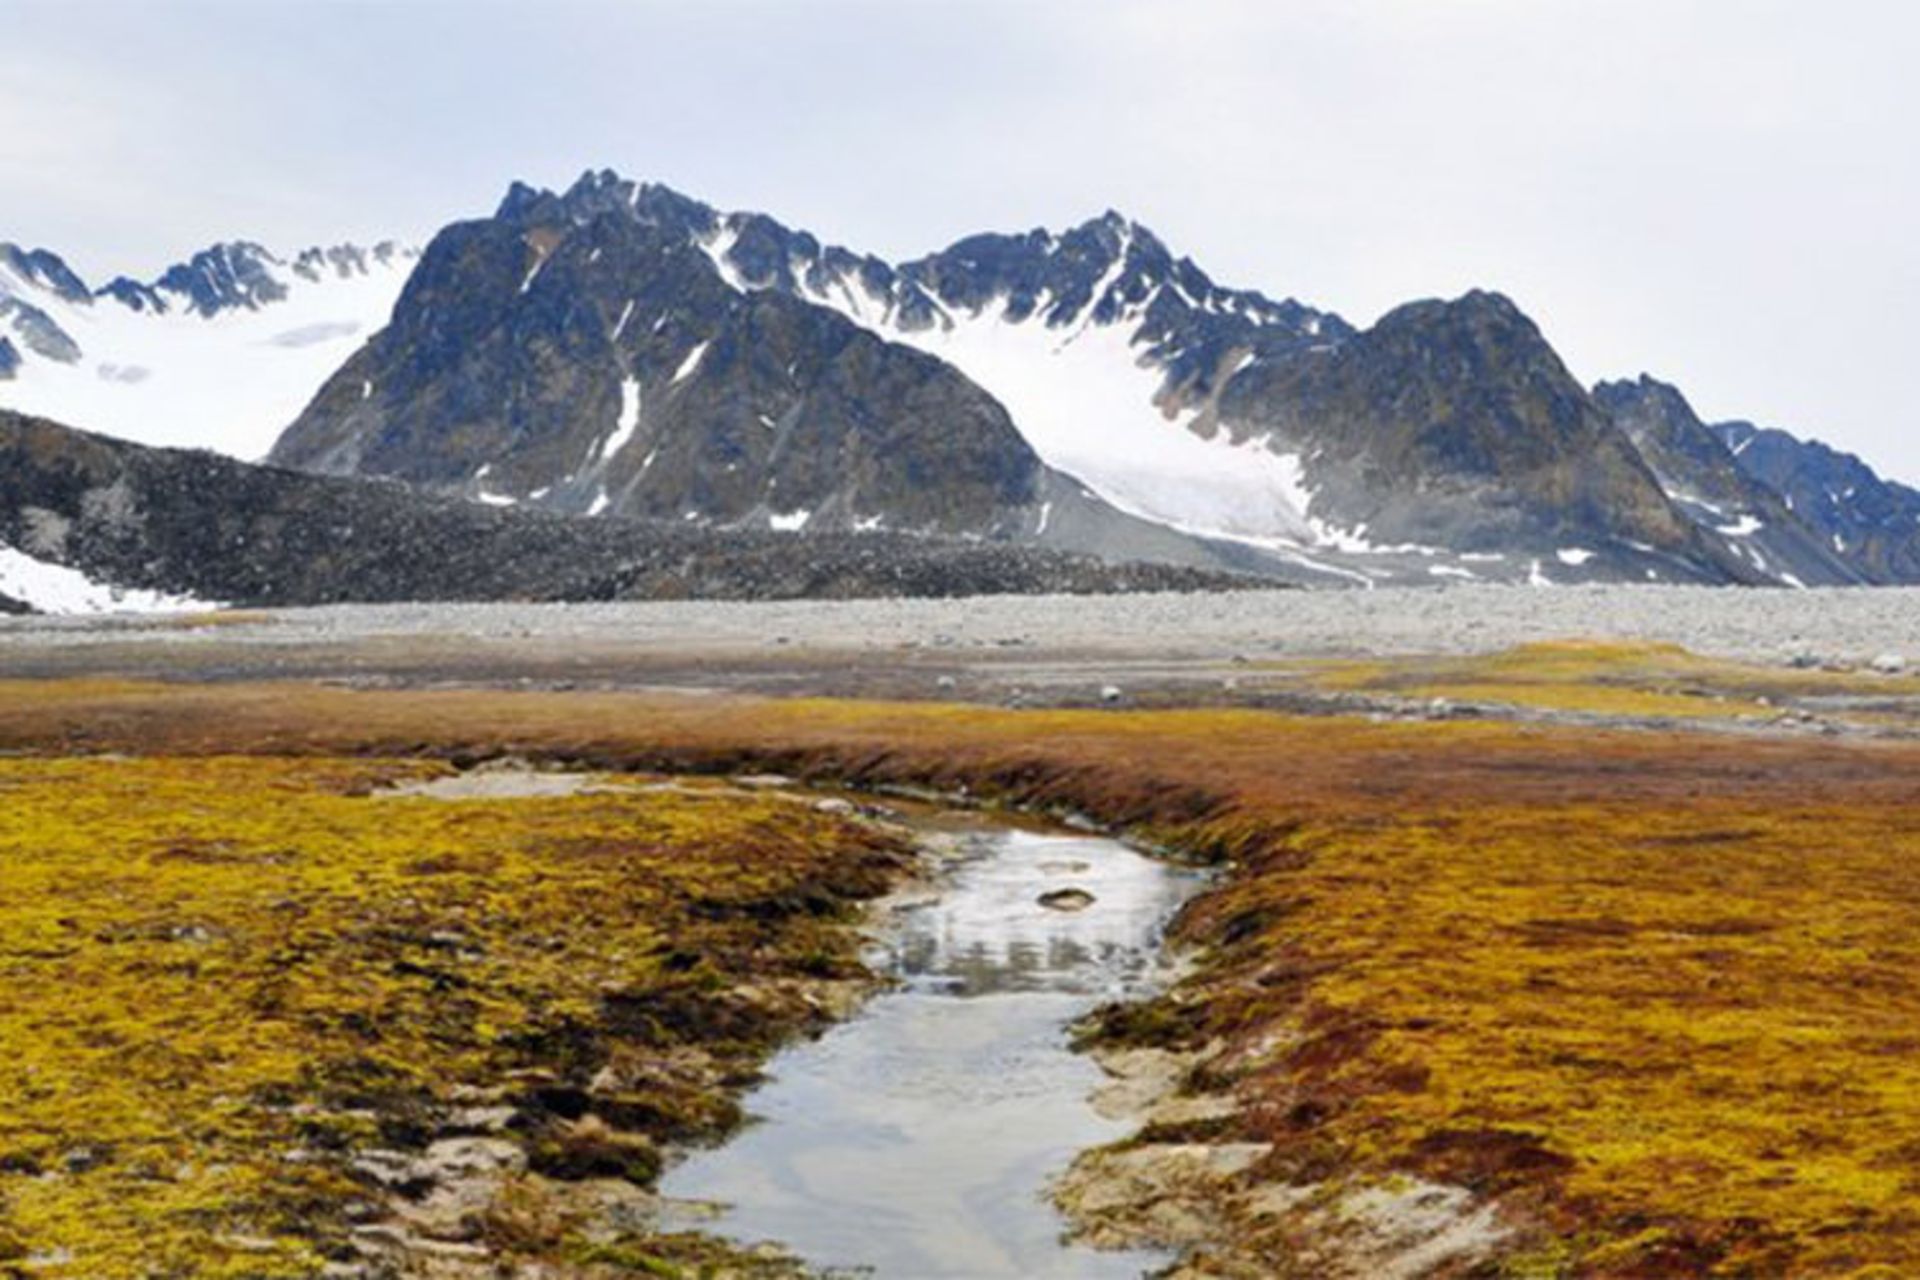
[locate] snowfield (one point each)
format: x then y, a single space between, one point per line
1086 399
230 382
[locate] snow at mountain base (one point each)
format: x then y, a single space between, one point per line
53 588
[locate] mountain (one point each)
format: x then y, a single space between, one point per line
1454 423
1224 413
1871 523
1105 349
220 351
620 348
89 523
1700 473
605 366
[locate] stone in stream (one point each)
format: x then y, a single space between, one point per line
1066 900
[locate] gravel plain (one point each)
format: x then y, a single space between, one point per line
1845 625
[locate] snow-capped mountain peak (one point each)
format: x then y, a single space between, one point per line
220 351
547 355
1108 352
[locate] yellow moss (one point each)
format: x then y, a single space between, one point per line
1660 991
1602 678
211 969
1700 1013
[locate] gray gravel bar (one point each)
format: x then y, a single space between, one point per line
1851 625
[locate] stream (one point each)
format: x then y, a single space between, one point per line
918 1139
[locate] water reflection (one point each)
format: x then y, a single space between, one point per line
918 1139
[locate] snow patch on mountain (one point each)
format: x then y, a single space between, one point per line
626 424
691 363
1086 402
1087 397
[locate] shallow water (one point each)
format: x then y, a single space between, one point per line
918 1138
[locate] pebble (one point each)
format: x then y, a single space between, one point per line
1837 624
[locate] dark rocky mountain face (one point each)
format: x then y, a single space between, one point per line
604 366
1455 424
1871 523
620 348
1706 482
196 524
39 333
46 270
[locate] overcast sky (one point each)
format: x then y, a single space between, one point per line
1725 193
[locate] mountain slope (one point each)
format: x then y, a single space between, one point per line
588 361
1104 348
1455 424
1870 522
220 351
90 523
1704 479
1212 409
621 348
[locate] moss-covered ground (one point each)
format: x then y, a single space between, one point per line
1654 993
1610 679
223 979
